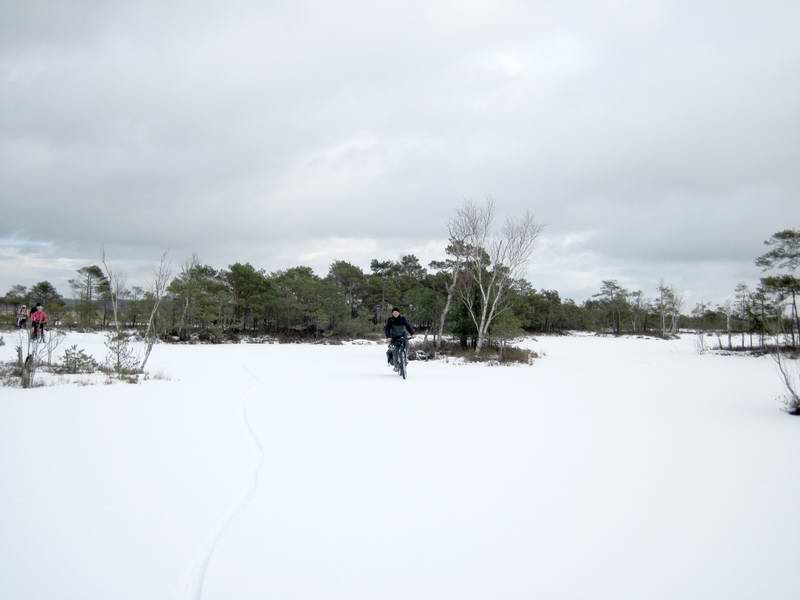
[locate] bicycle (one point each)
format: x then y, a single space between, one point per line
400 357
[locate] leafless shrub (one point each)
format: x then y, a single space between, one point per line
790 376
40 353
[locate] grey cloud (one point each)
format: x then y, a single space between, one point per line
667 129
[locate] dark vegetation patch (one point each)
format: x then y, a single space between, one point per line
281 336
791 352
490 354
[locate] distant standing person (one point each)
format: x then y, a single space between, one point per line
22 317
38 320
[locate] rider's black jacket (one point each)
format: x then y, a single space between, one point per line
396 328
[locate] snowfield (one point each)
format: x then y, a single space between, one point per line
610 469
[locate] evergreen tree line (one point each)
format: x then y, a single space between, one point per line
213 304
758 317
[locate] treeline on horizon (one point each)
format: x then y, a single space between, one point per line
213 304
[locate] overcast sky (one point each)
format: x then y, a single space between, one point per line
655 139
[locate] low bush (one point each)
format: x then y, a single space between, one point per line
354 328
76 361
121 356
492 353
212 335
10 375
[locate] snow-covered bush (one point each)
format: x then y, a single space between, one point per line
502 355
75 361
492 354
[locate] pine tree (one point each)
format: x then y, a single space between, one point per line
784 255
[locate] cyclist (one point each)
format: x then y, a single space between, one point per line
39 320
397 329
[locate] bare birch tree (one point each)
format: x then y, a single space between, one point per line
493 260
790 380
158 289
726 308
116 283
676 303
187 272
663 305
121 356
669 304
636 302
118 343
455 267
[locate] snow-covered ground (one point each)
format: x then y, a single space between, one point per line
611 468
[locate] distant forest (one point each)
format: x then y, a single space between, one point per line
449 297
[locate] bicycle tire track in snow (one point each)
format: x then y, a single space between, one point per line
194 586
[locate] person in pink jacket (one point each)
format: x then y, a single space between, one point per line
39 320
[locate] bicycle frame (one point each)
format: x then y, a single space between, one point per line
400 356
